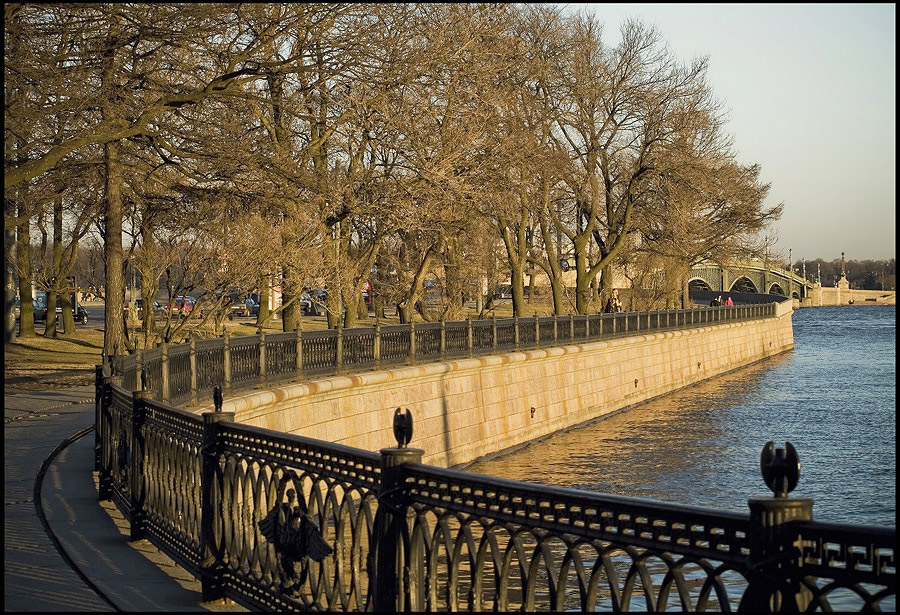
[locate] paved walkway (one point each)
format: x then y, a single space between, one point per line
68 551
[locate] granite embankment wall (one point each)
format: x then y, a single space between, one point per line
829 296
468 408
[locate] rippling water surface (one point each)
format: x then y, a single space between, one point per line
833 397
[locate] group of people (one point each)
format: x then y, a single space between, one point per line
613 304
718 301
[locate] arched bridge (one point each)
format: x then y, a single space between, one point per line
749 277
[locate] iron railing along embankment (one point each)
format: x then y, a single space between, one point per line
180 373
281 522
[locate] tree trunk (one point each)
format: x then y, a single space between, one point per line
114 288
265 292
291 289
23 256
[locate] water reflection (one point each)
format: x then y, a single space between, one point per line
662 449
833 397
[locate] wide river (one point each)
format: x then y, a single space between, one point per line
833 397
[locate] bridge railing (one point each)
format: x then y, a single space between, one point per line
278 522
179 373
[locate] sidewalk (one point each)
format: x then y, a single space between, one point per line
81 560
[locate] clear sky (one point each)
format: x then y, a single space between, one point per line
810 93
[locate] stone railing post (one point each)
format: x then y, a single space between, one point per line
587 326
226 359
443 339
494 333
537 332
262 356
395 584
412 343
136 447
164 370
571 327
299 355
555 330
775 577
469 335
376 345
192 355
338 348
211 544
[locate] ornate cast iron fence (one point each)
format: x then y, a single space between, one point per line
280 522
187 372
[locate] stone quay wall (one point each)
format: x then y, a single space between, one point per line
468 408
830 296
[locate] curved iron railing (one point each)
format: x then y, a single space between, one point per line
281 522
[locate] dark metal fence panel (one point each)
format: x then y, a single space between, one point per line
531 547
563 330
858 559
118 461
319 351
546 330
281 355
483 335
394 344
172 476
179 372
244 360
210 363
526 332
428 340
580 324
152 362
128 367
506 334
273 485
456 338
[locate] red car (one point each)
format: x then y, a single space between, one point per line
182 304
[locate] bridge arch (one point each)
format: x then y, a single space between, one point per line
795 295
698 284
775 289
743 285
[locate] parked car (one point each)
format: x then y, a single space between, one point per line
79 312
158 310
38 309
312 302
183 304
243 308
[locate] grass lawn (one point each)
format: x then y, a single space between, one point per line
37 362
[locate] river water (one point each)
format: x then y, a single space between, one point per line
833 397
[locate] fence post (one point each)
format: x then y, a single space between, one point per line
391 577
555 331
587 326
537 331
338 348
376 345
412 343
775 579
571 327
211 567
193 361
516 331
494 333
299 366
164 370
226 359
137 485
469 335
443 338
262 356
